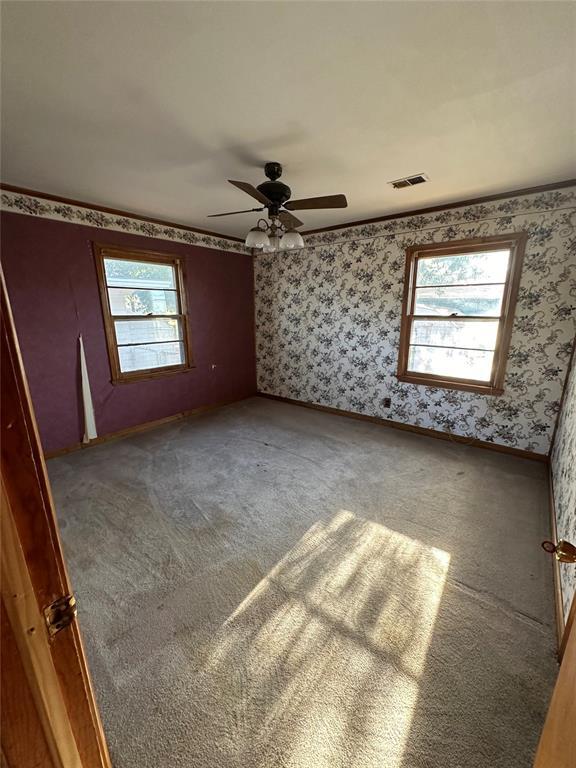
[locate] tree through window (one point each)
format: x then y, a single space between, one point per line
458 311
144 312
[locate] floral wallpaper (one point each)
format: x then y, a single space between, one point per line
563 462
50 209
328 320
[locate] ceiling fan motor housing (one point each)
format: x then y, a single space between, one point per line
277 192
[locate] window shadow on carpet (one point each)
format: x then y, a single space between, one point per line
320 664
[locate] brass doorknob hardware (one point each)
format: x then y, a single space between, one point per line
563 551
60 614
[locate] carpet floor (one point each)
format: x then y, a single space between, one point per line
267 586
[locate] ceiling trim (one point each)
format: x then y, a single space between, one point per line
153 227
508 212
113 211
45 207
447 206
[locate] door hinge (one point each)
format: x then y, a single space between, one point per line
60 614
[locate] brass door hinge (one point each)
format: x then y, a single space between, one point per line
60 614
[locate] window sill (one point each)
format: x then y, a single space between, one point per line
158 373
460 384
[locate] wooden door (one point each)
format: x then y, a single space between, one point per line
49 715
557 747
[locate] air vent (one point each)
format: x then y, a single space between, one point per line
409 181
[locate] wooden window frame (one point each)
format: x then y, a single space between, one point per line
102 251
517 244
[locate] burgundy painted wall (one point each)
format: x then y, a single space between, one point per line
51 278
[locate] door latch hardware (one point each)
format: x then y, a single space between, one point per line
563 551
60 614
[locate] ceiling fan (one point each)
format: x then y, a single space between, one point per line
275 198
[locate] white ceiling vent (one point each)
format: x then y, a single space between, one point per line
409 181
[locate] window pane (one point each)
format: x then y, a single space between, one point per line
455 363
489 267
139 331
126 301
139 274
151 356
478 334
481 300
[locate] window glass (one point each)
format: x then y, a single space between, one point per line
456 363
470 334
488 267
149 356
142 331
136 301
458 311
476 301
145 320
139 274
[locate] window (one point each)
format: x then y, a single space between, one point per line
459 301
144 312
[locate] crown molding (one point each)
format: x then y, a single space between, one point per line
509 211
44 205
446 206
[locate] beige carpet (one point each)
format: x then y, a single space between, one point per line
270 587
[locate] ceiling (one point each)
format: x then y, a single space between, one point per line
151 106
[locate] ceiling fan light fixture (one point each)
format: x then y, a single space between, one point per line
273 244
257 238
292 239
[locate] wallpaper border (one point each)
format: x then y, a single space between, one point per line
47 208
501 209
541 198
522 192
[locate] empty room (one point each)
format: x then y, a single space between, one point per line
288 428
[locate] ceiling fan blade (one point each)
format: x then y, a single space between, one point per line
328 201
233 213
252 191
289 221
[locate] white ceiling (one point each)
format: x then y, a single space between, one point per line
151 106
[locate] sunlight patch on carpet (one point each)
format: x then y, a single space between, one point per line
320 664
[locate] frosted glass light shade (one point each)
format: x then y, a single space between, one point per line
257 238
291 239
273 244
